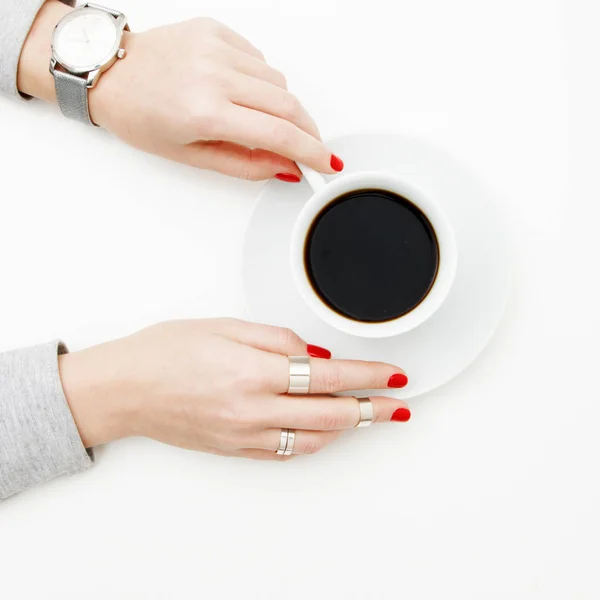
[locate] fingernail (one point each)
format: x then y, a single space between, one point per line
289 177
317 351
401 415
399 380
337 164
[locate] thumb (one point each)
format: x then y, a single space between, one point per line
239 161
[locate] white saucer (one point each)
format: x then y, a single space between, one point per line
441 348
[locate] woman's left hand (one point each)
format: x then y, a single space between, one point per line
195 92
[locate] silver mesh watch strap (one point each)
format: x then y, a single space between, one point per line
72 95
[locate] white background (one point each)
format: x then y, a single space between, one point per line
491 491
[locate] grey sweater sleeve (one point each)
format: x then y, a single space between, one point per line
16 18
38 436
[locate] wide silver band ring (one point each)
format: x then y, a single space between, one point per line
286 442
299 375
365 407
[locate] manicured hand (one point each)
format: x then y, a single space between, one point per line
219 386
195 92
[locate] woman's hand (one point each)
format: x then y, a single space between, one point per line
199 93
195 92
219 386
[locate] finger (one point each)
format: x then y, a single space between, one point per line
332 376
305 442
327 413
256 129
254 67
269 338
238 161
342 375
262 455
270 99
240 42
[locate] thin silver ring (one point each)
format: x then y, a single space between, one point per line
290 442
299 375
283 441
365 407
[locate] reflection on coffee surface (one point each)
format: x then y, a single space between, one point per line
371 255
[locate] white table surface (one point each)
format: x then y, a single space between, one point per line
491 491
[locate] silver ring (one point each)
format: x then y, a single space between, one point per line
283 441
299 375
290 442
365 407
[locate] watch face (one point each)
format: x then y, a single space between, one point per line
86 39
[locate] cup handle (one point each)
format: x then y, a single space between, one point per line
314 179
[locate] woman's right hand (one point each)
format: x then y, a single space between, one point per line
219 386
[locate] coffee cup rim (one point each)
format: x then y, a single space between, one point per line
448 254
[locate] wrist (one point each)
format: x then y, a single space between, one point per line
33 76
93 391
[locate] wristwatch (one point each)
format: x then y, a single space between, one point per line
85 43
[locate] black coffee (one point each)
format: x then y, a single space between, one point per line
371 255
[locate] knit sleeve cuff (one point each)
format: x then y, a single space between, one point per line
16 20
38 436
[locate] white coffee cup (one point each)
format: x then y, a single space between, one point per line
326 192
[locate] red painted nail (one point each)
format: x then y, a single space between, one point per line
399 380
289 177
401 415
337 164
317 351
